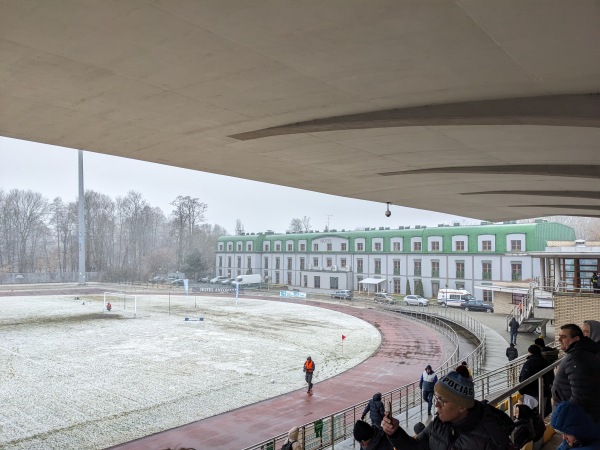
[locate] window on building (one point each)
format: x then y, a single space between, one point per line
229 247
344 246
417 267
302 247
378 266
289 264
305 280
435 269
249 246
220 247
266 276
277 263
239 247
397 286
360 247
435 246
220 261
486 246
486 270
396 246
290 247
343 262
460 285
459 246
315 262
333 283
277 278
487 295
329 262
249 261
377 246
317 282
359 265
329 246
359 278
515 245
302 264
289 278
315 247
396 263
277 247
416 246
229 261
266 247
516 271
266 263
239 272
460 269
239 261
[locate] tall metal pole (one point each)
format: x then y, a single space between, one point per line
81 231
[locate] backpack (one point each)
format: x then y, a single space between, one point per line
287 445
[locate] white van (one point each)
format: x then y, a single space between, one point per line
454 297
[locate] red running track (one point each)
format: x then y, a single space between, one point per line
407 347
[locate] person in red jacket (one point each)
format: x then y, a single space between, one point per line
309 368
108 306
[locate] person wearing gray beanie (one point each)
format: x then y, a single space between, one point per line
461 423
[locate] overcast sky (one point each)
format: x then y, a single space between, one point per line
52 171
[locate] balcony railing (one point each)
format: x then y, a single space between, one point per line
435 273
517 277
486 276
417 272
460 274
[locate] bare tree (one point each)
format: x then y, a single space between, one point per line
187 215
298 225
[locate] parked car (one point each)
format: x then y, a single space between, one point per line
157 280
384 297
454 297
204 280
415 300
344 294
177 282
478 305
227 280
218 279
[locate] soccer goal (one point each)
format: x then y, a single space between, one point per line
120 302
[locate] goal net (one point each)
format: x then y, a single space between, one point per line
120 302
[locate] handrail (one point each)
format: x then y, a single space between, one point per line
406 400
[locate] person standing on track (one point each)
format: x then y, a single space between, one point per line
309 368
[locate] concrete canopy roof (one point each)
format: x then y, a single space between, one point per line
479 109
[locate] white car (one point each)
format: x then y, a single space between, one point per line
218 279
415 300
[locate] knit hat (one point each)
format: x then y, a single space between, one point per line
456 389
540 342
362 431
534 350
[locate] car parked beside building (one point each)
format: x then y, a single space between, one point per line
415 300
344 294
478 305
384 297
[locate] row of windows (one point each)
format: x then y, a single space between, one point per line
459 246
486 266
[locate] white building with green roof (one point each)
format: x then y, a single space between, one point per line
419 259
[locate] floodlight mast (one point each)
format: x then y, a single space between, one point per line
81 230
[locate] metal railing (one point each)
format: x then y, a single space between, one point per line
406 401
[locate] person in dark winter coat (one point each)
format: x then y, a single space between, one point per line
548 353
426 384
371 438
375 409
576 426
591 329
524 431
578 375
513 326
533 365
461 423
512 352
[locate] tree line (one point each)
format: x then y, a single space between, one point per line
126 238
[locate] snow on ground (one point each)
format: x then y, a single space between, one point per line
75 376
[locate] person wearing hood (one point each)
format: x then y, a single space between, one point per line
513 326
375 409
576 426
426 384
371 438
591 329
534 364
548 353
461 422
578 375
293 439
524 431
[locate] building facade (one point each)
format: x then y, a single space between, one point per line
420 260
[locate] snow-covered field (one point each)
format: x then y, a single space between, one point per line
73 376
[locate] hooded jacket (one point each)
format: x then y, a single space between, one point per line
578 377
428 380
379 441
594 330
572 419
484 428
375 409
513 325
533 365
524 431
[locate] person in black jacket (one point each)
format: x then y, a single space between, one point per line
375 409
535 363
512 352
578 375
461 423
524 430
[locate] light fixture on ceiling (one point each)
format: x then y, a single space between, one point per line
388 213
